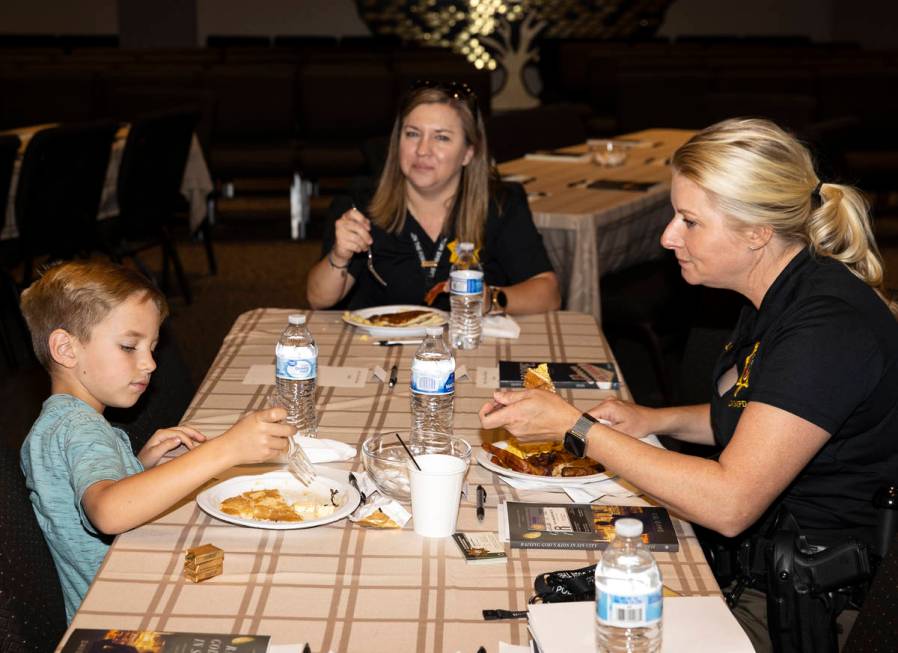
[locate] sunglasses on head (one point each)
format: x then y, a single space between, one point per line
455 90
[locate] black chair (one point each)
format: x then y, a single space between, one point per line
515 133
58 195
876 626
10 317
649 304
32 612
166 399
148 191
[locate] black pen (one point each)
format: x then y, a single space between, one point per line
393 372
481 500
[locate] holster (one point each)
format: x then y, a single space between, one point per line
809 579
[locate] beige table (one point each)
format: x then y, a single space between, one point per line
590 232
195 186
342 587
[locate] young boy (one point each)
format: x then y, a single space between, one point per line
94 326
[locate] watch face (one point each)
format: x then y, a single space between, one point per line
574 445
501 299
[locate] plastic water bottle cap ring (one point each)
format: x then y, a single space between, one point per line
434 331
296 318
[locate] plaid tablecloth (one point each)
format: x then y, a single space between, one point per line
590 232
195 186
342 587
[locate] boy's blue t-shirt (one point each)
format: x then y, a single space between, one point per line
70 447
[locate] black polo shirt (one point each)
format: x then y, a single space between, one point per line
513 251
824 347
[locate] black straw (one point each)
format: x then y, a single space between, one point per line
399 437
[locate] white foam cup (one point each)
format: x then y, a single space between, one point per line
436 492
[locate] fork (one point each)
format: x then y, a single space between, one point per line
298 463
297 460
371 269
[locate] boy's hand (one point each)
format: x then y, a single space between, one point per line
164 440
259 436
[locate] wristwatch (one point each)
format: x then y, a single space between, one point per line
498 300
575 439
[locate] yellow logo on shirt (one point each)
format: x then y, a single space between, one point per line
742 383
453 256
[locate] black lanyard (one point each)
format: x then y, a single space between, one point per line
430 266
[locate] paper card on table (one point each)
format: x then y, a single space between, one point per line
620 184
259 375
342 377
379 374
461 373
487 377
559 157
328 376
690 623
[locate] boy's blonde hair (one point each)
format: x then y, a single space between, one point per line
77 296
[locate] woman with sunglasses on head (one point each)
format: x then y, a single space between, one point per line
803 398
437 190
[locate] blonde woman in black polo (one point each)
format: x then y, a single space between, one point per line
803 399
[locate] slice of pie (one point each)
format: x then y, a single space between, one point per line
537 378
412 317
267 505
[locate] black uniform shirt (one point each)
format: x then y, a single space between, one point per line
513 252
824 347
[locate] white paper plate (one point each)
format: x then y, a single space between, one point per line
483 457
209 500
393 332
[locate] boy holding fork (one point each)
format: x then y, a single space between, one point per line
94 326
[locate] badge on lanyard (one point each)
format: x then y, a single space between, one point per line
429 265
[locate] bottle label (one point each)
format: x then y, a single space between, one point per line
628 611
296 363
432 382
466 282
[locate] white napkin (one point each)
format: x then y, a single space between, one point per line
320 450
500 326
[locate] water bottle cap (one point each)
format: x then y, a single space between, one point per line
297 318
628 527
436 332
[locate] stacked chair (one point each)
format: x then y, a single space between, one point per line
58 195
149 183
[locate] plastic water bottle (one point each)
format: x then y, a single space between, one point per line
296 372
465 299
628 594
433 385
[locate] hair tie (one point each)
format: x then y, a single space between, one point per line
816 191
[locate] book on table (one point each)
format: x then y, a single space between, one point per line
86 640
580 525
601 376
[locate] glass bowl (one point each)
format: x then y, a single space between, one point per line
387 463
607 153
